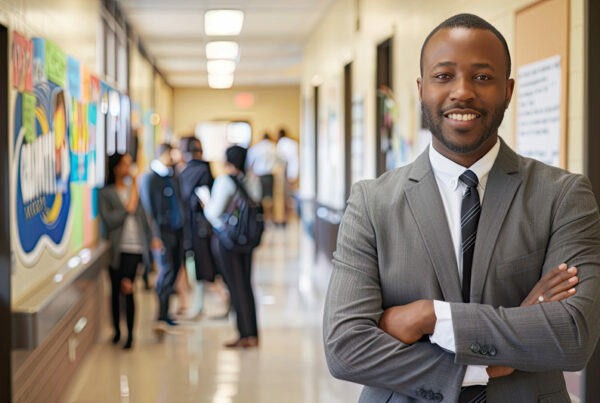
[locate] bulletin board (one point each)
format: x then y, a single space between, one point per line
542 32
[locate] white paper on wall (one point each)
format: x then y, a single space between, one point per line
538 110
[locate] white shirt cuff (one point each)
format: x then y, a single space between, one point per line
476 375
443 336
443 333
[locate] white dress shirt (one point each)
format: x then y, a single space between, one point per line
452 190
261 157
288 152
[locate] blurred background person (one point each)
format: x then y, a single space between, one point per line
182 284
196 177
287 151
127 232
236 267
161 198
261 161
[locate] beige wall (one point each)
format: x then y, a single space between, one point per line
163 105
141 78
273 107
335 43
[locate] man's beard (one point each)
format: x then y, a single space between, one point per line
488 130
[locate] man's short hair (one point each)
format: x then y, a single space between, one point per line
470 21
195 146
163 148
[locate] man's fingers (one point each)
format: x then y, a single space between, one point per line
557 278
560 287
539 286
561 295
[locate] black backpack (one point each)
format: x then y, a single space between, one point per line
243 223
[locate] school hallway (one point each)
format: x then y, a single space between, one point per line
191 365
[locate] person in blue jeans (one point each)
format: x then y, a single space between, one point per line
160 195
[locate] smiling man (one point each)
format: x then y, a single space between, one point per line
472 274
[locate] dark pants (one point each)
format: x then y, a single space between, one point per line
127 268
203 259
168 261
266 182
236 269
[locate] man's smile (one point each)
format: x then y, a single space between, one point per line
462 118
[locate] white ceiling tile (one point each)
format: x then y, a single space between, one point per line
271 40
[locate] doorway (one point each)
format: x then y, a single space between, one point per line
316 138
5 269
347 130
383 86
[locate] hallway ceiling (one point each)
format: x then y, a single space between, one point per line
271 40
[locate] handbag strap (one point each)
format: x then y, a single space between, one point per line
241 188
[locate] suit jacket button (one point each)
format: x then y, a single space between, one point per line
475 348
484 350
493 351
438 397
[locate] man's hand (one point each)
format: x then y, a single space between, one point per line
156 244
557 285
408 323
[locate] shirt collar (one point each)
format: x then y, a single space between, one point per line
448 171
160 168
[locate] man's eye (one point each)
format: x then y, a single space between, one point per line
482 77
442 76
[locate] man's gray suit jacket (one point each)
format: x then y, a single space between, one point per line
394 247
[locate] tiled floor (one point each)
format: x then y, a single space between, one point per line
192 366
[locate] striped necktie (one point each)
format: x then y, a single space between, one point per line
469 218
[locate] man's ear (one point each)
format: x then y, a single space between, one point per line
420 88
510 86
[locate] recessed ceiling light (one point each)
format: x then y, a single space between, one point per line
220 80
220 66
223 22
222 50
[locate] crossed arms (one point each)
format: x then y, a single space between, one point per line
558 335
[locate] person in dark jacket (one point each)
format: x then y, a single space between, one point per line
127 231
198 231
161 198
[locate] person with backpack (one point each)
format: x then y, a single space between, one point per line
238 225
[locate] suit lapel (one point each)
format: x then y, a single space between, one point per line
500 190
426 206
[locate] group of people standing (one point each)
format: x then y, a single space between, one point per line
173 214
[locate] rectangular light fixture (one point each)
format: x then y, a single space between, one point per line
218 67
222 50
220 80
223 22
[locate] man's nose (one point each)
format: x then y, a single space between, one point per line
462 91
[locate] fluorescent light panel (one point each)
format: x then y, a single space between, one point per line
219 67
223 22
220 80
222 50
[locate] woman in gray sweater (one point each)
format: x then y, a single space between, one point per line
126 229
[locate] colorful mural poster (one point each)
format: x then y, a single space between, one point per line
56 64
74 78
22 63
82 138
58 156
39 60
41 173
